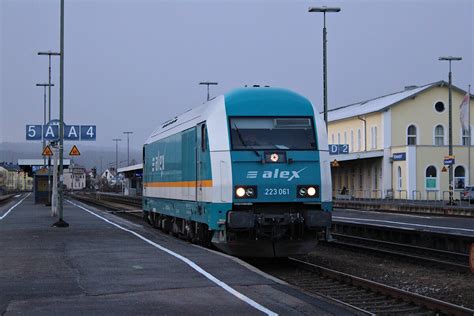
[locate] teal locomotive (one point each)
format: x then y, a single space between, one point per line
248 171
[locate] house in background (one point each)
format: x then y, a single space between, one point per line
13 178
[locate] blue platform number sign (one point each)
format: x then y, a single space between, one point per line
50 132
34 132
399 156
344 149
88 132
338 149
333 149
71 132
449 161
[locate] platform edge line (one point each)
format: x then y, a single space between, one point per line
11 208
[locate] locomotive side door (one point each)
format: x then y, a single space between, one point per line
201 162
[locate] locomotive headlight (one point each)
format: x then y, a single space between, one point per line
249 192
307 191
302 191
311 191
240 192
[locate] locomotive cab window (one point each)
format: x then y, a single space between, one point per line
266 133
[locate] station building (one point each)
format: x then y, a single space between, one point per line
398 143
75 178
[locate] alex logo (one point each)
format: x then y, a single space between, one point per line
276 174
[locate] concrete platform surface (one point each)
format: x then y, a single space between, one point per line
440 224
94 267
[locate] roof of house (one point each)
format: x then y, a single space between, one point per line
383 102
10 167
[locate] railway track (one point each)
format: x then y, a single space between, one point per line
452 261
368 297
119 205
5 198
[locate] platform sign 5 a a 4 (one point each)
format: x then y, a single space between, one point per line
88 132
51 132
72 132
34 132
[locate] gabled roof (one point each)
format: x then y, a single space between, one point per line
10 167
382 103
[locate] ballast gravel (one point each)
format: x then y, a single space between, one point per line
453 287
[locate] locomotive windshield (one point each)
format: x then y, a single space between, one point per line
266 133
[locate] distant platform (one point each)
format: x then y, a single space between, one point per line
103 264
431 223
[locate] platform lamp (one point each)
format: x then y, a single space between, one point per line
128 147
450 123
325 10
44 85
61 222
208 83
116 140
49 54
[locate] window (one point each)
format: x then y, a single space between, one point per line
352 141
399 178
338 138
345 138
262 133
431 180
439 135
439 106
411 135
332 138
373 139
459 177
358 140
465 137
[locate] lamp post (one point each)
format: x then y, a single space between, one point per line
128 147
49 54
116 140
208 83
44 85
61 222
450 123
325 10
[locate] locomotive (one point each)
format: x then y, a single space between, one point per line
247 172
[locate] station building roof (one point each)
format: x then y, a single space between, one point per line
39 162
136 167
383 102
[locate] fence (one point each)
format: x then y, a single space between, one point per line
431 197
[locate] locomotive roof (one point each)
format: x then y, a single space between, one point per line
266 99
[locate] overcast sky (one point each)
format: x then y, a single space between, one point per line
132 64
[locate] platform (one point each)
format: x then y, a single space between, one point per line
432 223
102 264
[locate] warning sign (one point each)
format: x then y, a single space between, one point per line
444 169
335 164
47 151
74 151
